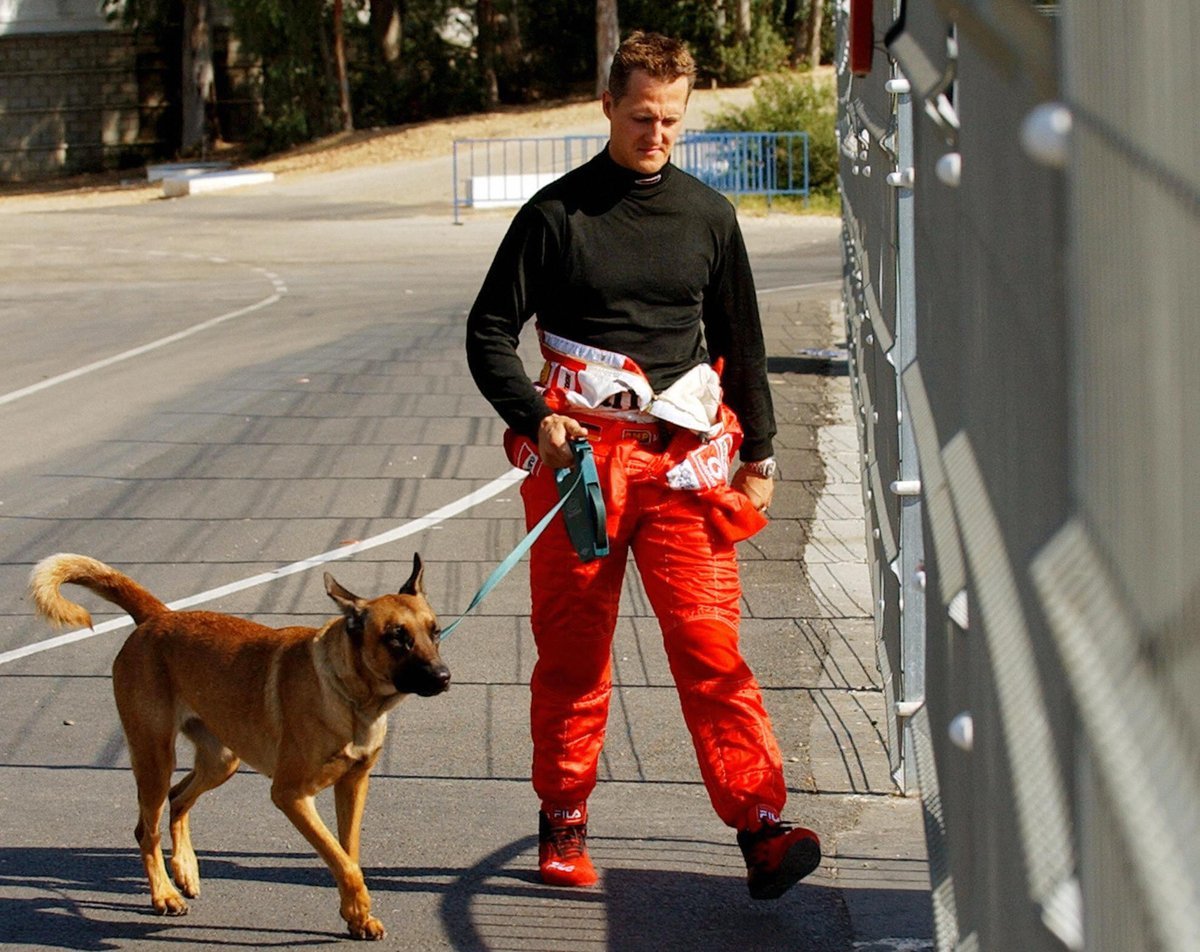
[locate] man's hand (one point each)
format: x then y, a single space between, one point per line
554 434
759 489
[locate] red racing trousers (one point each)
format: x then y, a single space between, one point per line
690 575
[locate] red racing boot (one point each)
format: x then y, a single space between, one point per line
562 848
778 855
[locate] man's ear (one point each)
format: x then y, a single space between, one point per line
415 584
354 609
606 103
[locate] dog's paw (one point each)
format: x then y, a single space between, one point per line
187 877
370 928
171 904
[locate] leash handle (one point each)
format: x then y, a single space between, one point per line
511 559
584 514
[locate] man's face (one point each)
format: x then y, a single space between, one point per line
643 126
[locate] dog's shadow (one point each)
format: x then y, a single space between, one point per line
96 899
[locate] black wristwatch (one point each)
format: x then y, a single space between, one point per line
764 467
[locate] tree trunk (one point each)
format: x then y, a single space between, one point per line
741 24
799 48
718 8
512 44
815 16
339 62
608 38
797 27
387 27
485 23
198 82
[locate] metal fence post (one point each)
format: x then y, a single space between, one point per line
910 559
454 173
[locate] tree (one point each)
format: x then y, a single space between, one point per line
485 47
418 59
797 29
806 35
186 26
513 42
197 79
339 61
815 16
742 22
608 38
387 29
718 24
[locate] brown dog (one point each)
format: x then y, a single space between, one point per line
304 706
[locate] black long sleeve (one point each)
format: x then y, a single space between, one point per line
657 271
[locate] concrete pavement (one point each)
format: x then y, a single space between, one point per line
247 468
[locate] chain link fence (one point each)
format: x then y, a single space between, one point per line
1021 195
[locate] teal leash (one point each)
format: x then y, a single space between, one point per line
585 476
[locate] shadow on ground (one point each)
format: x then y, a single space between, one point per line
95 899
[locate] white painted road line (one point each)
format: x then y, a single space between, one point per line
482 494
138 351
409 528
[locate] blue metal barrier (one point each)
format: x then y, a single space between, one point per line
491 173
747 163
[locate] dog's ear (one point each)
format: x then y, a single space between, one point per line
354 609
415 584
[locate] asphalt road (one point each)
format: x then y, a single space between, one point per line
207 390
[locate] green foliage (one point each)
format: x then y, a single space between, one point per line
828 33
788 102
298 96
818 203
560 50
766 52
432 78
719 55
542 52
691 21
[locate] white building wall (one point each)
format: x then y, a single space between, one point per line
51 16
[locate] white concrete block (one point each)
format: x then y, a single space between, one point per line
178 186
162 170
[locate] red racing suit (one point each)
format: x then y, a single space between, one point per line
682 540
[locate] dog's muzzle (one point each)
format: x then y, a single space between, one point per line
426 681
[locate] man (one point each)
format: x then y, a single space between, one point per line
646 311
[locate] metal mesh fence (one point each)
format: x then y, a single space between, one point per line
1021 196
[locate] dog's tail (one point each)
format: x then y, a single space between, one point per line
52 572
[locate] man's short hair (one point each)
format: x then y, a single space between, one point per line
663 58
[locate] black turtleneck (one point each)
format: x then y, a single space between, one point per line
655 269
